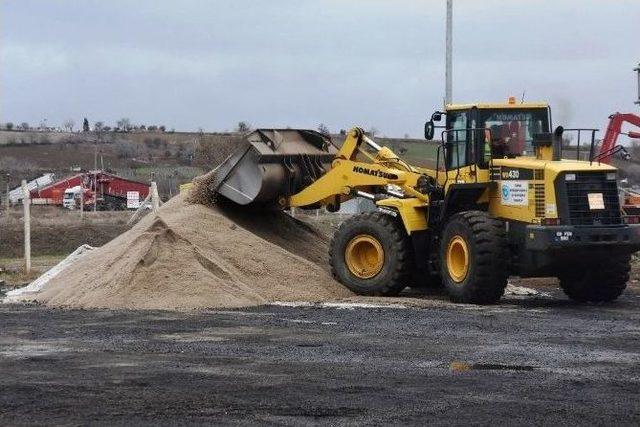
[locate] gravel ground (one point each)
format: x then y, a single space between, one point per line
530 360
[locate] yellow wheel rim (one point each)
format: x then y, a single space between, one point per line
364 256
457 258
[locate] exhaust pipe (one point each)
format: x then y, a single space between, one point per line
557 143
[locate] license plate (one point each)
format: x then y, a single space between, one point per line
596 201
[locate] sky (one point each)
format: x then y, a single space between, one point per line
196 64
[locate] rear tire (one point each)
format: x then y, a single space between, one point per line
474 258
370 254
603 282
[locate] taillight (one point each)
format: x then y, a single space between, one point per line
550 221
631 219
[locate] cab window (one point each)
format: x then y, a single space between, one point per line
512 130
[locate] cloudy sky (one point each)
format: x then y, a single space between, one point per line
193 64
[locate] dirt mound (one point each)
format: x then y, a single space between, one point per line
195 256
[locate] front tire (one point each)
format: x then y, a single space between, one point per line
474 258
370 255
603 282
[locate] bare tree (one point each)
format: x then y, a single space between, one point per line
24 126
124 124
99 129
243 127
323 129
373 131
69 124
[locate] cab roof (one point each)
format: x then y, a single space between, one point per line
505 105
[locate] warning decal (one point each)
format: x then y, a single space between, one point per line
515 193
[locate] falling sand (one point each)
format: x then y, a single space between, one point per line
191 256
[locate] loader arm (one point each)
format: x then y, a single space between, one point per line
349 177
300 168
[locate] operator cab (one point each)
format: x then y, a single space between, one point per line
475 133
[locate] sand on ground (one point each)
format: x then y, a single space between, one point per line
191 256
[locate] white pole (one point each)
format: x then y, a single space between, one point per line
26 202
81 202
6 200
448 55
638 71
155 198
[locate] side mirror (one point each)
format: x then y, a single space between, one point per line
429 130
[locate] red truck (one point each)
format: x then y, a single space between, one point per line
109 191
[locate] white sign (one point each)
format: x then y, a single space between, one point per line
514 193
133 199
596 201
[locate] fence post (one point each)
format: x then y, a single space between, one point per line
6 200
26 202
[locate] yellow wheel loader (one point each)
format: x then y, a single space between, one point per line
500 201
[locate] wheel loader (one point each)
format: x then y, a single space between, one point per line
499 201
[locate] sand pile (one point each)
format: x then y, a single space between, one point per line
195 256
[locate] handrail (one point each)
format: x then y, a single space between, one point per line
592 145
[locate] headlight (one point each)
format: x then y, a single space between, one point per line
570 177
611 176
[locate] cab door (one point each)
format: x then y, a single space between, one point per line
457 145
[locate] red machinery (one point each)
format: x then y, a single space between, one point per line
108 190
631 202
614 129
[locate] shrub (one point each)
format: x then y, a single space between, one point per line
153 142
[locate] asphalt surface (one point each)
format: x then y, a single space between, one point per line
540 360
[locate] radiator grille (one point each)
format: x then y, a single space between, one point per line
578 201
538 174
539 198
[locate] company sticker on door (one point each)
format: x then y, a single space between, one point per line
515 193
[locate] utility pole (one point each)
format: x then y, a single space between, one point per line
448 98
81 203
95 178
637 70
26 202
6 200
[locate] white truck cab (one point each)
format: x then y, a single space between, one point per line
71 197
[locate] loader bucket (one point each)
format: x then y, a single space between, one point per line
273 164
